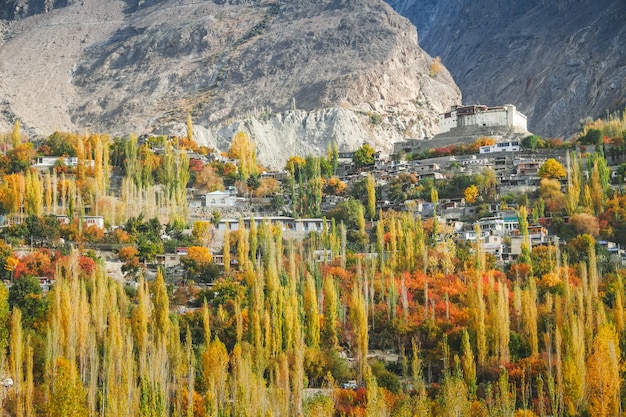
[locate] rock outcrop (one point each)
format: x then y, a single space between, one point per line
557 61
296 75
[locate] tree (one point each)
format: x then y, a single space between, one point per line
16 136
402 187
334 186
370 186
295 166
199 264
161 307
550 192
330 338
68 399
244 149
253 183
149 248
603 374
471 194
364 156
26 294
436 67
267 186
209 179
189 128
592 137
20 157
530 142
486 182
5 315
552 169
130 256
202 232
585 223
59 144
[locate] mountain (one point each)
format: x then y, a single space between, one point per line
558 61
295 75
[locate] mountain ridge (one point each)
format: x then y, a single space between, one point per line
557 61
122 71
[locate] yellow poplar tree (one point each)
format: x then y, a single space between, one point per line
358 318
370 187
161 307
311 313
330 339
603 378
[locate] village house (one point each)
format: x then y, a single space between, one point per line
528 167
97 221
220 199
512 146
291 228
43 163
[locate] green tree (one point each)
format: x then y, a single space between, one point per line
26 294
530 142
592 137
364 156
486 182
4 318
59 144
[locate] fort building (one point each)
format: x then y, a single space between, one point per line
477 115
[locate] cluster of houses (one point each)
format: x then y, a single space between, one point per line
516 170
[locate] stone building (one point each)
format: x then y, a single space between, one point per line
476 115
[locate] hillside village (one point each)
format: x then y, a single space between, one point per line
474 140
331 275
515 167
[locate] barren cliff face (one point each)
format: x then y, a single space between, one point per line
558 61
296 75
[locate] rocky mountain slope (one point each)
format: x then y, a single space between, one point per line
558 61
296 75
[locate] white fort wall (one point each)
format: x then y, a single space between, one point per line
482 116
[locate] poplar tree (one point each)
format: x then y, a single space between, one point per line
603 378
370 187
16 135
226 251
5 316
17 360
358 318
161 307
469 365
311 313
330 338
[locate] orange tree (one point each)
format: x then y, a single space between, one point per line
199 264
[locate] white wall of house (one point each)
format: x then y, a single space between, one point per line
501 147
220 199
